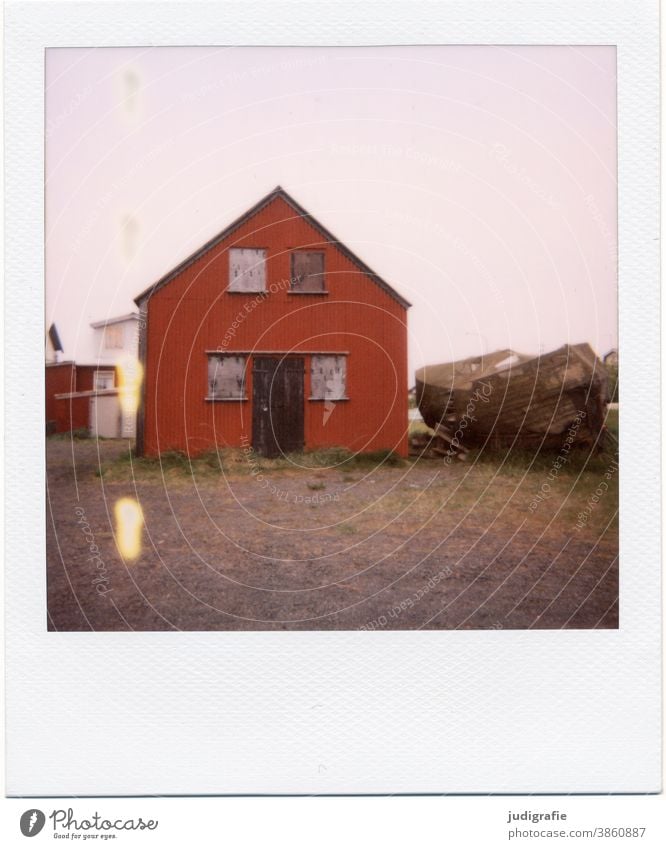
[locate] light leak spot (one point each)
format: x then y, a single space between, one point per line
129 524
130 375
131 88
129 235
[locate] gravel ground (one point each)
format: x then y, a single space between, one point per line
423 545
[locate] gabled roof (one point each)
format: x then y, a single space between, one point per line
116 320
278 192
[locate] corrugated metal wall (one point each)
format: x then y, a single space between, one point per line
194 313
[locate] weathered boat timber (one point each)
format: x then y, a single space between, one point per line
507 398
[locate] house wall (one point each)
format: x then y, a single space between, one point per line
85 376
72 414
193 313
128 333
63 415
59 379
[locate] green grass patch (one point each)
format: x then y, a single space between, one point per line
377 458
520 459
79 433
236 461
419 427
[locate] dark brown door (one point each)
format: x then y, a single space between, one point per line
277 405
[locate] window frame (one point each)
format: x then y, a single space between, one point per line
233 291
104 373
222 355
114 332
292 274
336 356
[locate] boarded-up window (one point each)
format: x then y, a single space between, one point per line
247 270
226 377
307 271
113 336
328 373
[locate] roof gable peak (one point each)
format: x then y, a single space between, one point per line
277 192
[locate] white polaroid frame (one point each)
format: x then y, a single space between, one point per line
334 712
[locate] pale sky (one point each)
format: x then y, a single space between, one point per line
479 181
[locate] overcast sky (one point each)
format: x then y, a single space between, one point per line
479 181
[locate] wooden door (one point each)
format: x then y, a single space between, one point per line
277 405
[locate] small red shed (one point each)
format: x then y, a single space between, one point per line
273 335
70 393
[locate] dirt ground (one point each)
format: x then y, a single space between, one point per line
420 545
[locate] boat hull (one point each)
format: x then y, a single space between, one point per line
506 398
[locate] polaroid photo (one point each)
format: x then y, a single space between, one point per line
332 362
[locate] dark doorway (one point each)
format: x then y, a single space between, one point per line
277 405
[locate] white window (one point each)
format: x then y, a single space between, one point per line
247 270
328 377
113 336
104 379
226 377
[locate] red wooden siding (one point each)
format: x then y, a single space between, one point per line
85 377
64 414
59 378
193 314
72 414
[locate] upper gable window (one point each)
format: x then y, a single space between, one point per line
113 336
247 270
307 271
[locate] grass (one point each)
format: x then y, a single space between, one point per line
491 482
493 479
417 427
522 458
176 464
67 436
519 459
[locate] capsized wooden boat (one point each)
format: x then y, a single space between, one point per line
505 397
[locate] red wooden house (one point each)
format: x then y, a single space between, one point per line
274 335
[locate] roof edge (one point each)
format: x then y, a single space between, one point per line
277 192
116 320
